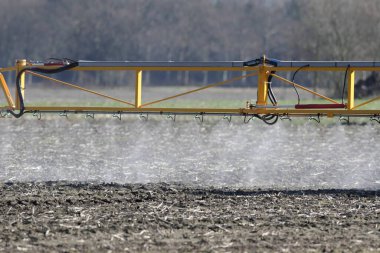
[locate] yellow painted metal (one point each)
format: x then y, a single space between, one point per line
20 65
6 92
8 69
245 68
202 88
232 111
262 72
80 88
136 110
138 87
323 69
305 89
262 86
351 89
163 68
322 112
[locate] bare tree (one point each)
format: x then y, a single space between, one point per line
204 30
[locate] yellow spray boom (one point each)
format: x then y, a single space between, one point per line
266 107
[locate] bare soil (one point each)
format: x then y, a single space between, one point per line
86 217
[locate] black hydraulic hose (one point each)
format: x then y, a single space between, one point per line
294 75
344 82
271 95
21 99
68 66
269 119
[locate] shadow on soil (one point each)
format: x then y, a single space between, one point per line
196 190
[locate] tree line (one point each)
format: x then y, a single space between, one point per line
181 30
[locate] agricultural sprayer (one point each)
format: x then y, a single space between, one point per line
266 107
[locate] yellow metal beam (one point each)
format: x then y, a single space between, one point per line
245 68
8 69
262 71
235 111
351 90
161 68
131 109
262 86
322 69
138 87
6 92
